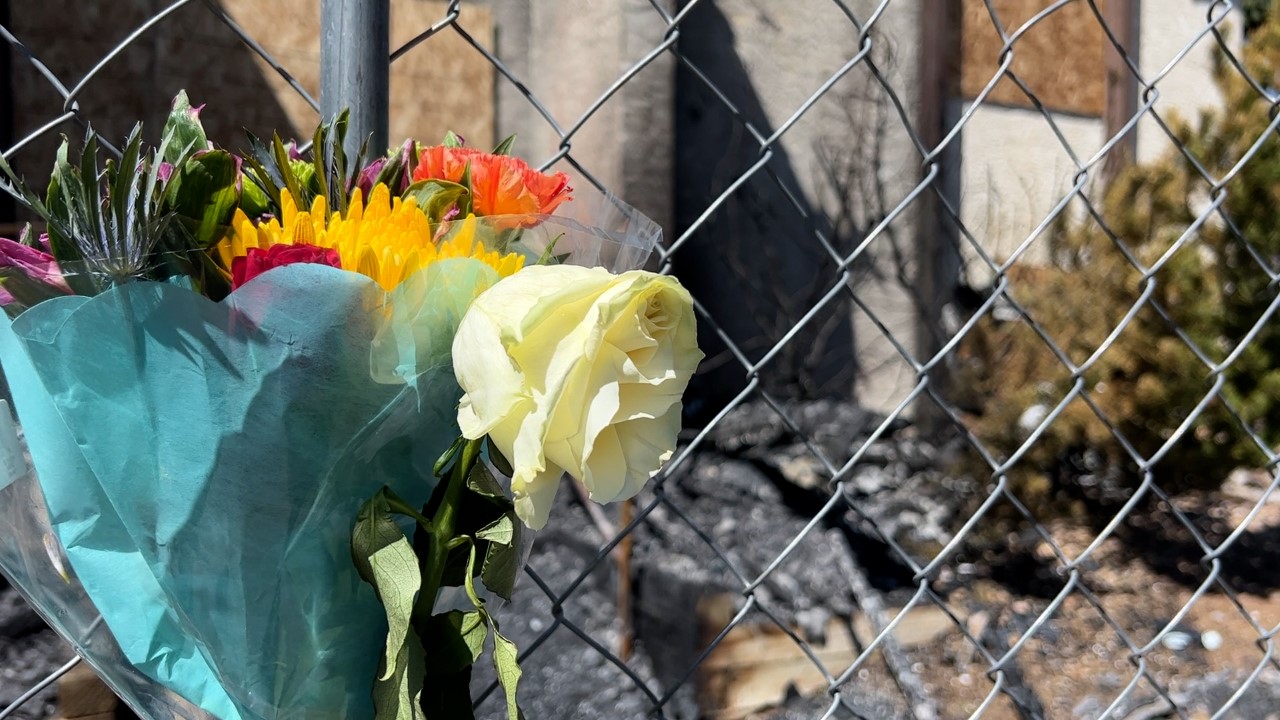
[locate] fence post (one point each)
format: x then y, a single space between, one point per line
937 238
1123 16
354 68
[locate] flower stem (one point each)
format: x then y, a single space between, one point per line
442 527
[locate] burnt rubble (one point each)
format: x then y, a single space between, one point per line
727 513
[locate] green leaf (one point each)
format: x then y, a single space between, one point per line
319 170
90 178
184 128
482 482
16 186
309 180
393 171
500 531
386 560
436 197
465 203
154 187
400 698
204 193
395 503
468 581
452 140
361 154
412 151
60 202
213 283
254 200
547 253
290 181
504 147
124 181
508 237
453 642
260 176
442 464
500 461
474 631
501 566
56 210
333 150
504 651
505 662
395 575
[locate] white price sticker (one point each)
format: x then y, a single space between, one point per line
12 464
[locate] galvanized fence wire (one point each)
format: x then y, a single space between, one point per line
927 363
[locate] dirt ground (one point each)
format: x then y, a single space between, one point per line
1103 643
1143 629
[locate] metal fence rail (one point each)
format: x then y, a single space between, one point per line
1002 653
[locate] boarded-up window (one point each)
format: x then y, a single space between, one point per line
1060 58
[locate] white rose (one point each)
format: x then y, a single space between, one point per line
577 370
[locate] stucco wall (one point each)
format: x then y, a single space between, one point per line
568 53
755 262
1015 171
1167 28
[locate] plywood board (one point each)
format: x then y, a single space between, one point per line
1060 58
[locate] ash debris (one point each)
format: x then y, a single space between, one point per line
710 545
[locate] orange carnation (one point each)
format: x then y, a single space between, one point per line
501 184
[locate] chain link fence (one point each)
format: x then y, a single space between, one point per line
1027 521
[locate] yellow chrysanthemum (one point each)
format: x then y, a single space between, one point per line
387 239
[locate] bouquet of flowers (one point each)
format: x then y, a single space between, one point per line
292 416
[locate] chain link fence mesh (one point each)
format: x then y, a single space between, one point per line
776 567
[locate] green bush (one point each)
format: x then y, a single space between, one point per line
1212 288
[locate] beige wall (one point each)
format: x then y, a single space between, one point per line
790 52
568 53
1168 26
1015 171
755 262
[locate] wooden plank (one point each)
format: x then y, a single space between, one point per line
941 29
83 696
1122 87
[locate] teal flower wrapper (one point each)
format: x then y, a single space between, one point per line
202 464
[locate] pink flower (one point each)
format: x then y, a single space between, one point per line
35 264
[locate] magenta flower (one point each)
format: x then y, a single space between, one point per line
32 263
257 261
369 176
